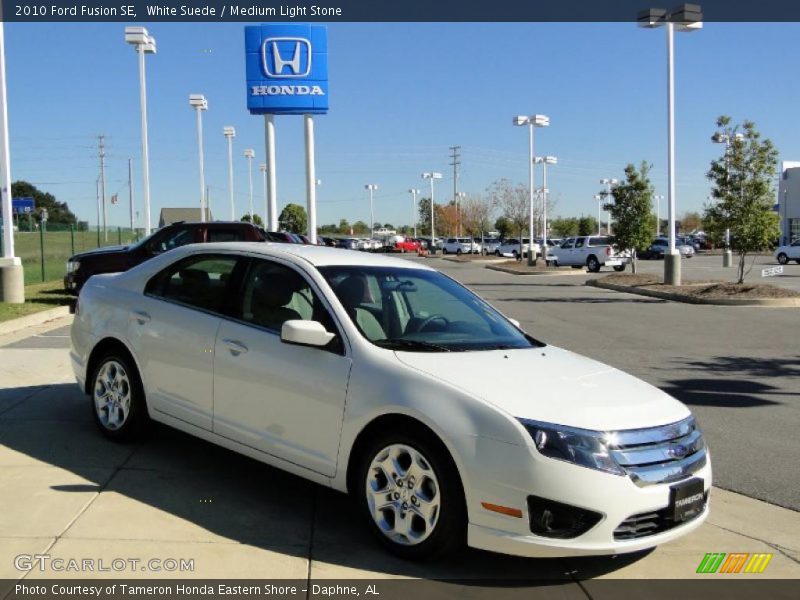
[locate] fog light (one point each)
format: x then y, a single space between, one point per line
552 519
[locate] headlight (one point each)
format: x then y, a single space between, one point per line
72 265
578 446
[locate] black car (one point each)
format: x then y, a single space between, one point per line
114 259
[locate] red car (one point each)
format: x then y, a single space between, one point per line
407 245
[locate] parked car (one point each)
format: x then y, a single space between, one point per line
591 251
489 245
347 243
462 245
112 259
282 352
790 252
511 246
404 245
660 247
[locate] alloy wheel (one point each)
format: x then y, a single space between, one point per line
112 395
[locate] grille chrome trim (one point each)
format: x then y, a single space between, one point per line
651 523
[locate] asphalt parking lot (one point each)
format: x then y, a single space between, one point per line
72 493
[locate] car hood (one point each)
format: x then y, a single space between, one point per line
100 251
553 385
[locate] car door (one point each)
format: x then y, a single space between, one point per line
794 250
283 399
564 252
172 331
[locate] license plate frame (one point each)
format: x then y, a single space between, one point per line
686 499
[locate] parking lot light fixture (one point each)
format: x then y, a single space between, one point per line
531 121
371 187
414 192
198 102
544 161
609 183
599 199
143 43
230 133
686 17
432 175
250 154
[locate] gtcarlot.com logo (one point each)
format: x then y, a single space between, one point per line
46 562
735 562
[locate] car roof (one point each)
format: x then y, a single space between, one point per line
319 256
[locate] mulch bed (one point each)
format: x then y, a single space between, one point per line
704 289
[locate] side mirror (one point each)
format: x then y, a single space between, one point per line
305 333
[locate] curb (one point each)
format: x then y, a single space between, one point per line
479 261
764 302
536 273
38 318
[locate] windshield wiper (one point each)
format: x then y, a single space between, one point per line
403 344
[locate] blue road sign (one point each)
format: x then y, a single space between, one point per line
287 69
22 205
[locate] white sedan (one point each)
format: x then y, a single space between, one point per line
786 253
388 380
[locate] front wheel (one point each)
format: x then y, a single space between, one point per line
458 252
783 259
593 264
118 398
619 268
497 253
411 495
444 250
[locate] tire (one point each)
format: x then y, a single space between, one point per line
593 264
445 529
516 255
458 252
116 374
797 261
619 268
444 250
497 253
783 259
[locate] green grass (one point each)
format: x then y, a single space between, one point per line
38 297
58 247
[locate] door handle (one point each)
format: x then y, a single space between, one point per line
235 347
140 317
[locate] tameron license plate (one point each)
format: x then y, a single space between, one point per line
686 500
613 263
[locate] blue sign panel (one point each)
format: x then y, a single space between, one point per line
287 69
22 205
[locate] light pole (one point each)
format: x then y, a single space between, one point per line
414 193
608 183
459 201
724 138
230 133
263 168
544 161
143 43
371 187
687 17
432 176
599 199
531 122
658 200
198 102
250 154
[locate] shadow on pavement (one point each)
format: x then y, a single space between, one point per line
173 486
721 393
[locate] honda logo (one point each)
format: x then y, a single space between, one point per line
286 57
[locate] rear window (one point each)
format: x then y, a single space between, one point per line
600 241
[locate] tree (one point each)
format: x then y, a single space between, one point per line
344 226
424 212
514 204
744 192
691 221
360 228
503 226
293 218
631 210
255 220
564 227
57 212
587 225
476 215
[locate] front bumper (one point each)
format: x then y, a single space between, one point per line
507 475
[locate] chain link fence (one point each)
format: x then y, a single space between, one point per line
44 251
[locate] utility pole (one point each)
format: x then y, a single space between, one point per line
455 156
130 194
102 144
208 203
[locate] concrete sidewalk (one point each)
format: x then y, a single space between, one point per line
70 493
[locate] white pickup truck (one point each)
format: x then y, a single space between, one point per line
591 251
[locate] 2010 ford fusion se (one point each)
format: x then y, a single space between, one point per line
386 379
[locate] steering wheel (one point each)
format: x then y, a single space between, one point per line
428 320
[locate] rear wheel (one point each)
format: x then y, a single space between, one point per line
458 252
118 398
619 268
497 252
593 264
411 496
444 250
783 259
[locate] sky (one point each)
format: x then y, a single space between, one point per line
400 95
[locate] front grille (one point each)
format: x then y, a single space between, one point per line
650 523
660 454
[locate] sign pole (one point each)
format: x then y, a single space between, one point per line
311 179
269 141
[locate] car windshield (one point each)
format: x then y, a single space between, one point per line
417 310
